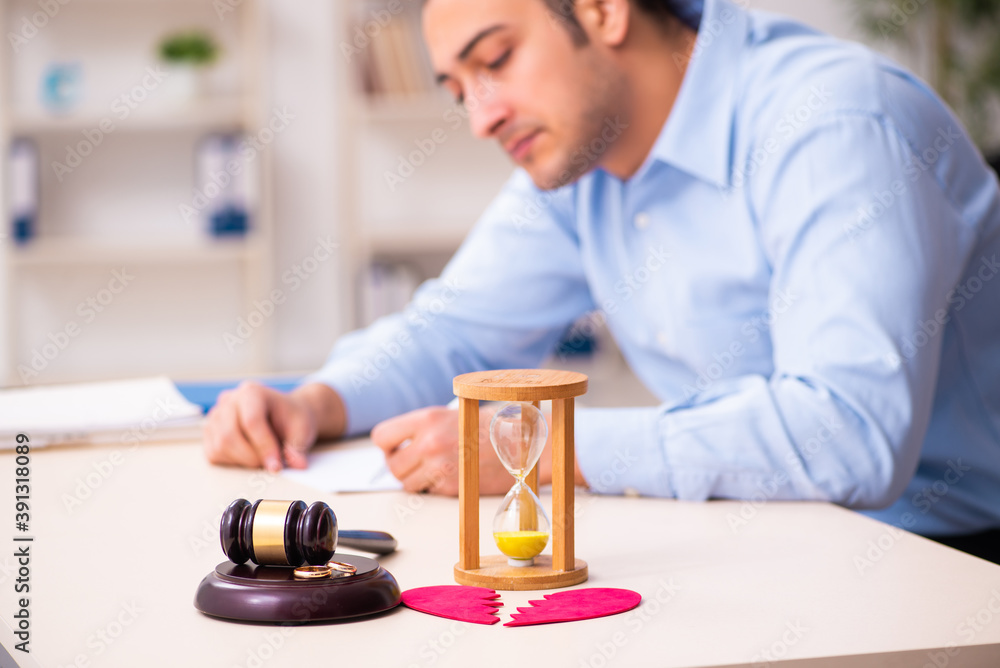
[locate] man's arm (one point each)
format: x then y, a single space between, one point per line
515 287
843 415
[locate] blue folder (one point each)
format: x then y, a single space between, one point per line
206 393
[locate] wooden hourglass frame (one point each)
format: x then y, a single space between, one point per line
562 569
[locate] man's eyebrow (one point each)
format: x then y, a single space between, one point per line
467 49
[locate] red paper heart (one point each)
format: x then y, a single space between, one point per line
569 606
466 604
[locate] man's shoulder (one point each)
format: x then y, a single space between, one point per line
793 75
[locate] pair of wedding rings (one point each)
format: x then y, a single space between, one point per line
316 572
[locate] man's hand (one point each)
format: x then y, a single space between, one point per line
255 426
429 462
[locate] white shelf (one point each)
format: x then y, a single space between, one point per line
220 112
77 252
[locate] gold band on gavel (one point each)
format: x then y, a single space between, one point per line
269 532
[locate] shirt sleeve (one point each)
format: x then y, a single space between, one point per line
512 290
872 248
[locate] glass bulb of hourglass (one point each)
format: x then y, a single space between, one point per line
518 432
520 528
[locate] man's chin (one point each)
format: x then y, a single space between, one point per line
551 178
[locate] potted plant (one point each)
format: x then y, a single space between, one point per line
188 55
963 49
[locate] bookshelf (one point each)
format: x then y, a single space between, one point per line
417 179
120 208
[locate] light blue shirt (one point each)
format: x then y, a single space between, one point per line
804 271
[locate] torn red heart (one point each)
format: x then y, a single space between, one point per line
466 604
569 606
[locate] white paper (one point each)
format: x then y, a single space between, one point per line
351 466
72 413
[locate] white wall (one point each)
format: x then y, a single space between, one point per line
833 16
839 18
305 66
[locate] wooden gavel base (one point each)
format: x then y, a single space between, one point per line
272 593
494 572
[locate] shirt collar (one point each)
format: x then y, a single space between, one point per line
698 135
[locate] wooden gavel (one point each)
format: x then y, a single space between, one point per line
289 533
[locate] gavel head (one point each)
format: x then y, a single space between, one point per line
278 533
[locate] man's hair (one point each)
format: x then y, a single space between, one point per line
661 10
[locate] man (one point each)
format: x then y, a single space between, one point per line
792 240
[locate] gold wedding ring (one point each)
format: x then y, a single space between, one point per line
339 566
313 572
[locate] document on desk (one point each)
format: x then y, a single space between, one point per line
351 466
124 411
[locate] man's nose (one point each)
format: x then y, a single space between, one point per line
487 110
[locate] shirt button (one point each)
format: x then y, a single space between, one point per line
663 338
641 221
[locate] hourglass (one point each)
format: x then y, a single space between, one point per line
520 527
518 432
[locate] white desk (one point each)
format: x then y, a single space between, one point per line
126 561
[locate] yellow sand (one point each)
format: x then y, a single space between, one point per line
521 544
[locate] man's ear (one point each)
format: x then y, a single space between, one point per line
605 21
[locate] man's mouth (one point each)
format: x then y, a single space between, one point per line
520 147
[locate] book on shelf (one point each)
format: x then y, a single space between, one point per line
394 63
23 194
387 288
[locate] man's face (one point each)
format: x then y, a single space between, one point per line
524 82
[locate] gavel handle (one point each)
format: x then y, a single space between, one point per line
377 542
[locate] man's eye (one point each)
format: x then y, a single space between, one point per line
499 62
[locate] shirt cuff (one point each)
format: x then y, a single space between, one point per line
361 412
619 451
